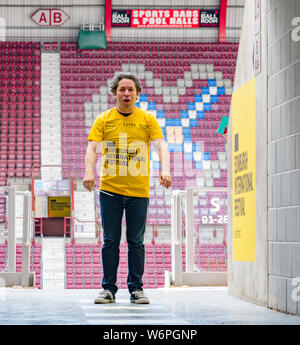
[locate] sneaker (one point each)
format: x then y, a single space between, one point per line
138 297
105 297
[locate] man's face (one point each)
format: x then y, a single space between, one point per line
126 95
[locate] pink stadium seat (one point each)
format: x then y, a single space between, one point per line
88 283
69 271
221 259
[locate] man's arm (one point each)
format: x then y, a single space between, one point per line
90 161
163 153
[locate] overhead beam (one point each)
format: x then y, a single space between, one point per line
108 13
222 26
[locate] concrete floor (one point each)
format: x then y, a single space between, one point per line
174 306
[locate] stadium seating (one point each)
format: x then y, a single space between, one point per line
84 264
35 260
192 93
20 109
186 86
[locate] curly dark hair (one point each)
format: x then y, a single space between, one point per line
125 75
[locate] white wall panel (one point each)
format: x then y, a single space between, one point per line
234 20
234 17
164 34
20 25
236 3
232 35
43 3
119 4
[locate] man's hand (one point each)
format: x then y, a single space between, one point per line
165 180
90 160
163 153
89 181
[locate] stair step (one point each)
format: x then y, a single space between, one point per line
53 263
53 275
50 91
53 284
54 255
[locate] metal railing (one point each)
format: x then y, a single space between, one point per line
190 277
72 231
26 278
131 39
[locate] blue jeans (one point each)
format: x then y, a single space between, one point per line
112 208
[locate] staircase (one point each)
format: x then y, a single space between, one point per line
50 117
53 262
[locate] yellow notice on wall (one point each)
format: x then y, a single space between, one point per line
59 206
243 173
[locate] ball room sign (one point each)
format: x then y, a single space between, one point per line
209 18
120 18
163 18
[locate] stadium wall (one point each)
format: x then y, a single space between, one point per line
272 279
20 26
248 277
284 155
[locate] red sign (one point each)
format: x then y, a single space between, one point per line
165 18
50 17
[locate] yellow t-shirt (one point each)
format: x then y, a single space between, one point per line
125 150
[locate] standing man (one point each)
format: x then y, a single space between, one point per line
125 133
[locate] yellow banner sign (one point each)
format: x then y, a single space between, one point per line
243 173
59 206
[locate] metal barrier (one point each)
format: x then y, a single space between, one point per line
190 277
72 233
24 278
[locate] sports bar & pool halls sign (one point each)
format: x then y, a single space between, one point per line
191 18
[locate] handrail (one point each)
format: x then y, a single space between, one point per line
205 189
160 39
27 217
41 227
98 223
136 39
176 239
38 165
65 229
33 218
